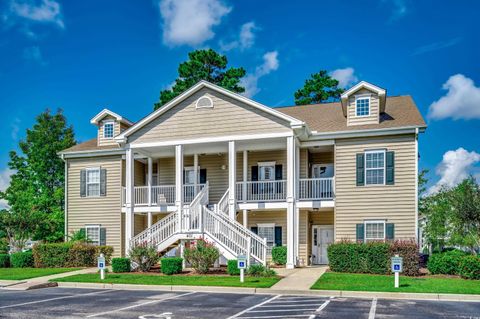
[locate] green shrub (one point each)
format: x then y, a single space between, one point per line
408 250
279 255
201 255
352 257
107 251
146 257
232 268
171 265
82 255
121 264
469 267
51 255
21 260
259 270
4 260
447 263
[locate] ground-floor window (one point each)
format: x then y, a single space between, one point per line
267 231
374 230
92 233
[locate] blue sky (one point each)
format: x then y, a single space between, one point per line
83 56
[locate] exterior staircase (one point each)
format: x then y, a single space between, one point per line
196 221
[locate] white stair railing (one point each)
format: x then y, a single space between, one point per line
159 232
192 215
222 206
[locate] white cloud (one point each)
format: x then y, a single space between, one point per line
34 54
44 11
436 46
246 38
462 100
270 63
190 21
345 77
5 175
455 167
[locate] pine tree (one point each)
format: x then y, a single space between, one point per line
320 88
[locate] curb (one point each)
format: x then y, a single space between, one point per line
319 293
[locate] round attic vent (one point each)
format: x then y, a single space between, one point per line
204 101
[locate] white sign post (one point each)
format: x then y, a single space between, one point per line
242 265
397 268
101 266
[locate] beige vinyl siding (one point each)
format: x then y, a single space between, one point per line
104 210
304 163
227 117
395 203
166 171
116 131
303 238
254 157
373 118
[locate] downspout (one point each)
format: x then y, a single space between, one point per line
417 239
65 200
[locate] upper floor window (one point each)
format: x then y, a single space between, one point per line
362 106
93 182
374 231
375 167
204 102
108 130
266 171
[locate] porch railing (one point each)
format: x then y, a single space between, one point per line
261 191
166 191
316 188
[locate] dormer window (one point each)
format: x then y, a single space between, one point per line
362 106
108 129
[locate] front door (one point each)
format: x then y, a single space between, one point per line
322 237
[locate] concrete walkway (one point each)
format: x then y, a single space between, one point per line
42 282
298 278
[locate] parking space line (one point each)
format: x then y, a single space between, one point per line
373 308
280 316
253 307
138 305
319 309
294 301
283 310
296 305
56 298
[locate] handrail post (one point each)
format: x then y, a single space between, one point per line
249 248
265 251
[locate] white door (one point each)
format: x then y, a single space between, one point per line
322 237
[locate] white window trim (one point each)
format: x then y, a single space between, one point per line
113 128
191 168
268 225
87 183
323 164
363 97
204 107
266 164
97 226
384 166
383 221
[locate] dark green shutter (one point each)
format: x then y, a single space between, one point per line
254 230
254 173
390 231
203 176
103 182
278 236
390 168
278 172
360 233
83 183
360 169
103 236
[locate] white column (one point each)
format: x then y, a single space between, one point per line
297 210
245 218
149 180
179 180
195 173
291 172
232 161
129 198
149 219
245 175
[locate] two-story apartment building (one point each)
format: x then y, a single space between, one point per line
215 164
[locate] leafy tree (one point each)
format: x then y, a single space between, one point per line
36 190
205 65
17 227
320 88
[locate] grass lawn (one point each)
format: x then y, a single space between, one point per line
27 273
365 282
140 279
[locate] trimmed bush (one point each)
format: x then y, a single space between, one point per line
21 260
447 263
408 250
121 264
171 265
259 270
469 267
232 269
82 255
4 260
201 255
107 251
145 257
279 255
51 255
353 257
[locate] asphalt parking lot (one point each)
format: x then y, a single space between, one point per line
108 303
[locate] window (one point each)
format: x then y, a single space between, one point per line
108 130
375 168
204 102
190 175
267 231
374 230
362 106
93 234
322 170
266 171
93 182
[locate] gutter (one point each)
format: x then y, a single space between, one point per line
366 133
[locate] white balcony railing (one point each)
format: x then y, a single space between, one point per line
162 191
261 191
316 188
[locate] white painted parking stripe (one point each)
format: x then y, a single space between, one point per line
56 298
282 310
138 305
319 309
253 307
295 305
280 316
373 308
281 301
